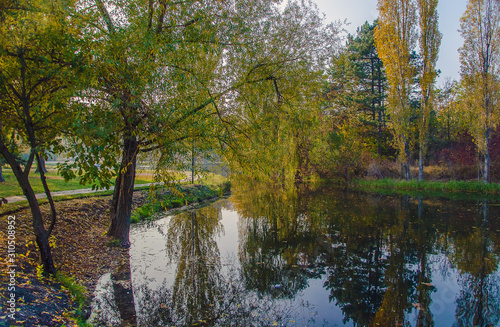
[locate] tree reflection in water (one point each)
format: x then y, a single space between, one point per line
278 248
479 300
378 253
379 260
203 294
191 242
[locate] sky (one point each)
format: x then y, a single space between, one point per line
358 11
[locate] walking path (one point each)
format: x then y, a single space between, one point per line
11 199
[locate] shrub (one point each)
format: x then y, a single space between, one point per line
380 168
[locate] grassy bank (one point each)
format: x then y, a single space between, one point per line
452 189
177 197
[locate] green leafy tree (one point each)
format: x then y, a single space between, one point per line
35 62
395 38
153 81
447 114
480 71
339 152
161 74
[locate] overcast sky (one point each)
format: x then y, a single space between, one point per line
358 11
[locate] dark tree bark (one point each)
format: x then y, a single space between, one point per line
121 205
41 235
405 166
40 165
1 175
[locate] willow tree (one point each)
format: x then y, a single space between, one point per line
480 71
395 38
278 113
147 84
430 40
160 74
35 64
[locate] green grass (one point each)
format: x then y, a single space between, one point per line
212 179
11 188
55 182
178 197
454 189
78 294
9 208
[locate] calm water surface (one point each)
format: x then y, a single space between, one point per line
323 258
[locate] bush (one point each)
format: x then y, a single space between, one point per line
225 188
379 168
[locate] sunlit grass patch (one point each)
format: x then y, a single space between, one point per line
56 183
449 186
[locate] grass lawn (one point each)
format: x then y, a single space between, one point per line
459 190
56 183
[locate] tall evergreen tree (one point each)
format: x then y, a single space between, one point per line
358 82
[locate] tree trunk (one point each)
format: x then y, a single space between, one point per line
121 205
379 133
41 163
486 166
421 164
40 233
192 163
406 164
41 166
1 175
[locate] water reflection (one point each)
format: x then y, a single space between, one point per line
191 243
278 249
301 257
377 255
199 287
479 302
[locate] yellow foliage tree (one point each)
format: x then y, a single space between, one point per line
430 40
395 38
480 69
36 57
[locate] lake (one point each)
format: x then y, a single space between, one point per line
274 257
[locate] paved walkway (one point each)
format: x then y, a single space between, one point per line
11 199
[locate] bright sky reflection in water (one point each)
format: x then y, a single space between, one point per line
320 259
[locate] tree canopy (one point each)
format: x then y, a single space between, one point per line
480 70
36 65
